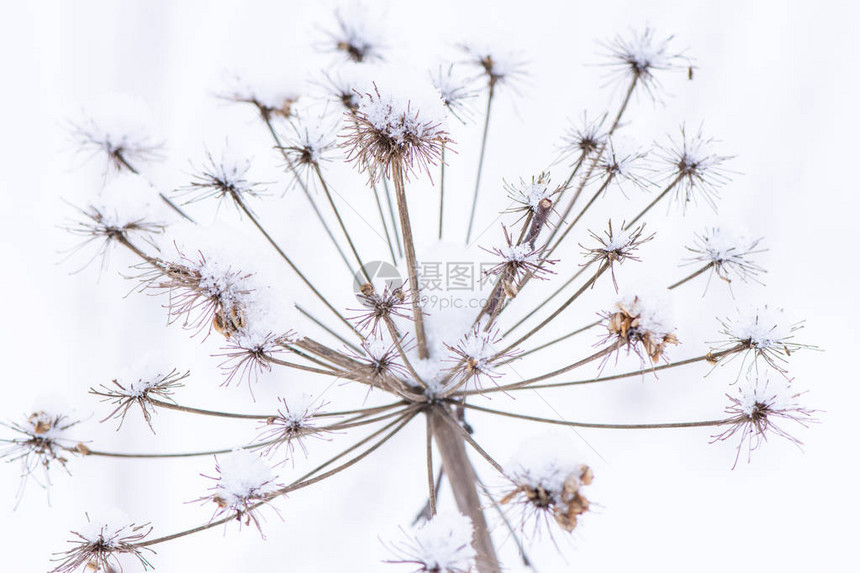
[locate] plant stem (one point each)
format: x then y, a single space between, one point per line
441 190
461 476
431 482
292 265
384 223
692 276
124 162
490 93
391 212
666 425
340 221
268 121
411 262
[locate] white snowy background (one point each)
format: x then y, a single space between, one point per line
775 82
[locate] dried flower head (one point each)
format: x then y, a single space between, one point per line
270 100
476 356
616 247
388 132
242 482
728 256
518 261
692 167
757 408
443 544
548 482
621 163
354 37
203 292
381 362
342 88
583 138
528 196
291 426
454 91
392 302
106 226
120 131
636 57
497 67
308 146
640 327
250 351
42 442
142 393
225 178
99 544
763 333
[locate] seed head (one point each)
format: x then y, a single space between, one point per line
640 327
385 132
616 247
99 544
141 393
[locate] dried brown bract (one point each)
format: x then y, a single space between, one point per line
638 328
561 497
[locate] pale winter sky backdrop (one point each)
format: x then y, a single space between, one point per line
776 82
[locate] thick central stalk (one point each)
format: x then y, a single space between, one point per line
411 262
461 476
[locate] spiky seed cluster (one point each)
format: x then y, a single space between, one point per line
616 247
353 39
696 168
557 493
243 480
290 427
454 91
496 67
764 334
757 408
225 178
201 292
476 356
42 443
528 196
308 146
269 103
728 255
583 138
98 546
392 302
100 225
380 362
387 133
443 544
518 261
640 328
142 392
620 162
637 57
248 353
121 149
341 90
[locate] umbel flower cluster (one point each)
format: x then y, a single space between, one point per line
451 370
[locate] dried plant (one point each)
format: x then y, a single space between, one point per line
416 362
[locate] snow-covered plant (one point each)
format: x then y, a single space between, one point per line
351 308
